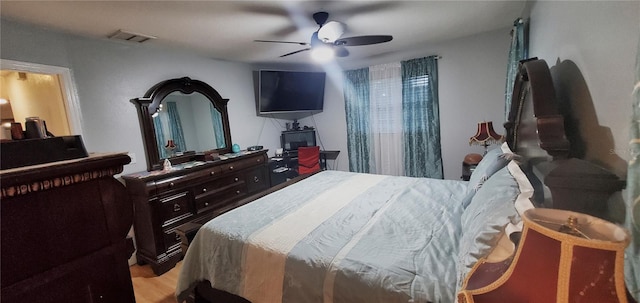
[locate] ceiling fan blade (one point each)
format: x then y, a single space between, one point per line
341 51
291 53
284 31
363 40
331 31
274 41
266 9
374 6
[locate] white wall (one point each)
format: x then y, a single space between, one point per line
471 73
596 39
599 38
591 49
108 74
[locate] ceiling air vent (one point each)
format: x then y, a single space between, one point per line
129 36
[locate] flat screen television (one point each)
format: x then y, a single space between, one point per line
290 91
291 140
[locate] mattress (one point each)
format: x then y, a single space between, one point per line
335 237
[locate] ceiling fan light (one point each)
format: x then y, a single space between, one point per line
322 54
331 31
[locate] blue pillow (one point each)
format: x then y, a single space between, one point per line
499 202
493 161
491 209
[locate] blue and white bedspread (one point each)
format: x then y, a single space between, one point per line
335 237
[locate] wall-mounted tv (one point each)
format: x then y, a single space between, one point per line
290 91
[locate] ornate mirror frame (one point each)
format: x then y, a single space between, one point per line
149 104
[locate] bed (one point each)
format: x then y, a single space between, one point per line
350 237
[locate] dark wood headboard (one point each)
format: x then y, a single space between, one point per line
536 131
534 126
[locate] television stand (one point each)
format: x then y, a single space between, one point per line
285 167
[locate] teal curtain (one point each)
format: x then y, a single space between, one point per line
632 254
421 118
176 127
357 109
216 118
519 50
157 124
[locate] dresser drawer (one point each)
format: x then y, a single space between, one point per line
244 163
257 179
175 208
182 182
171 239
208 172
217 184
169 184
221 197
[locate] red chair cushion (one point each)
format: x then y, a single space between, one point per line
308 159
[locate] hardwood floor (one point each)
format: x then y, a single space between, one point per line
149 288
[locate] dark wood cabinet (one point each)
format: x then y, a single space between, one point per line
469 164
467 170
163 201
64 232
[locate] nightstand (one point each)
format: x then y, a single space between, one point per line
282 169
582 186
469 165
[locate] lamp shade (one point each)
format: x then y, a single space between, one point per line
486 135
562 256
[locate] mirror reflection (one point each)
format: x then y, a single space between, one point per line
187 122
182 119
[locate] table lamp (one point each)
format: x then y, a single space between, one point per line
485 135
563 256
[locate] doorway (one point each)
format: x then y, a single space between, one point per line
47 92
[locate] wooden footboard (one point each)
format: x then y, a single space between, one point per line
204 293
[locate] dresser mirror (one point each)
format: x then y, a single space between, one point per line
181 118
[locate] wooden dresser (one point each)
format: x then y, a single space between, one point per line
64 232
165 200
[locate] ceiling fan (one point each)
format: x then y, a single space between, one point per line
329 35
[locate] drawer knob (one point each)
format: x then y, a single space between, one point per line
206 203
171 184
176 207
204 190
230 167
236 179
256 179
212 173
237 192
259 160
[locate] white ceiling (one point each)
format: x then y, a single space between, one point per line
226 29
